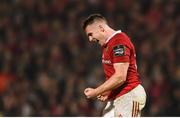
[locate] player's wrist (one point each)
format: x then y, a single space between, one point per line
97 91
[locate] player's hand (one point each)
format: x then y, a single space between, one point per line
104 96
90 92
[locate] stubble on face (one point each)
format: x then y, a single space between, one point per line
95 33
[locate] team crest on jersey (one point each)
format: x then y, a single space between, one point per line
106 48
119 50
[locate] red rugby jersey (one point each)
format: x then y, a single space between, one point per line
119 49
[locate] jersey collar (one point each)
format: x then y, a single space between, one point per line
119 31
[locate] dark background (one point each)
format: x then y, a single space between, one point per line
46 61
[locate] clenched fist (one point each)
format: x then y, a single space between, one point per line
90 92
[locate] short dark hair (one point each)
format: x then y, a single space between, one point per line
91 19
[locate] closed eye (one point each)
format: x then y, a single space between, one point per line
89 34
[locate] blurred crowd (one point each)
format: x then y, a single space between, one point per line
46 61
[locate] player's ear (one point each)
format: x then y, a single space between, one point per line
101 28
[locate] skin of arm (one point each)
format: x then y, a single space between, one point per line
116 80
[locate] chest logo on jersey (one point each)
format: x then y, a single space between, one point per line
119 50
106 48
106 61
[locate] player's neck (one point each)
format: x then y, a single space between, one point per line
110 32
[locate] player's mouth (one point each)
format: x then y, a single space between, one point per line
96 40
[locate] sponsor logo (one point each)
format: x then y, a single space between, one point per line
119 50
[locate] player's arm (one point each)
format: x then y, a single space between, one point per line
116 80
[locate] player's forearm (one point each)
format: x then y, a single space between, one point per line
112 83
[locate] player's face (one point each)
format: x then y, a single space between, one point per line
95 33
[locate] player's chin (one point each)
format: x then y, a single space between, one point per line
101 44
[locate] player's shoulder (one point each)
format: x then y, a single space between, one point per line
121 38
